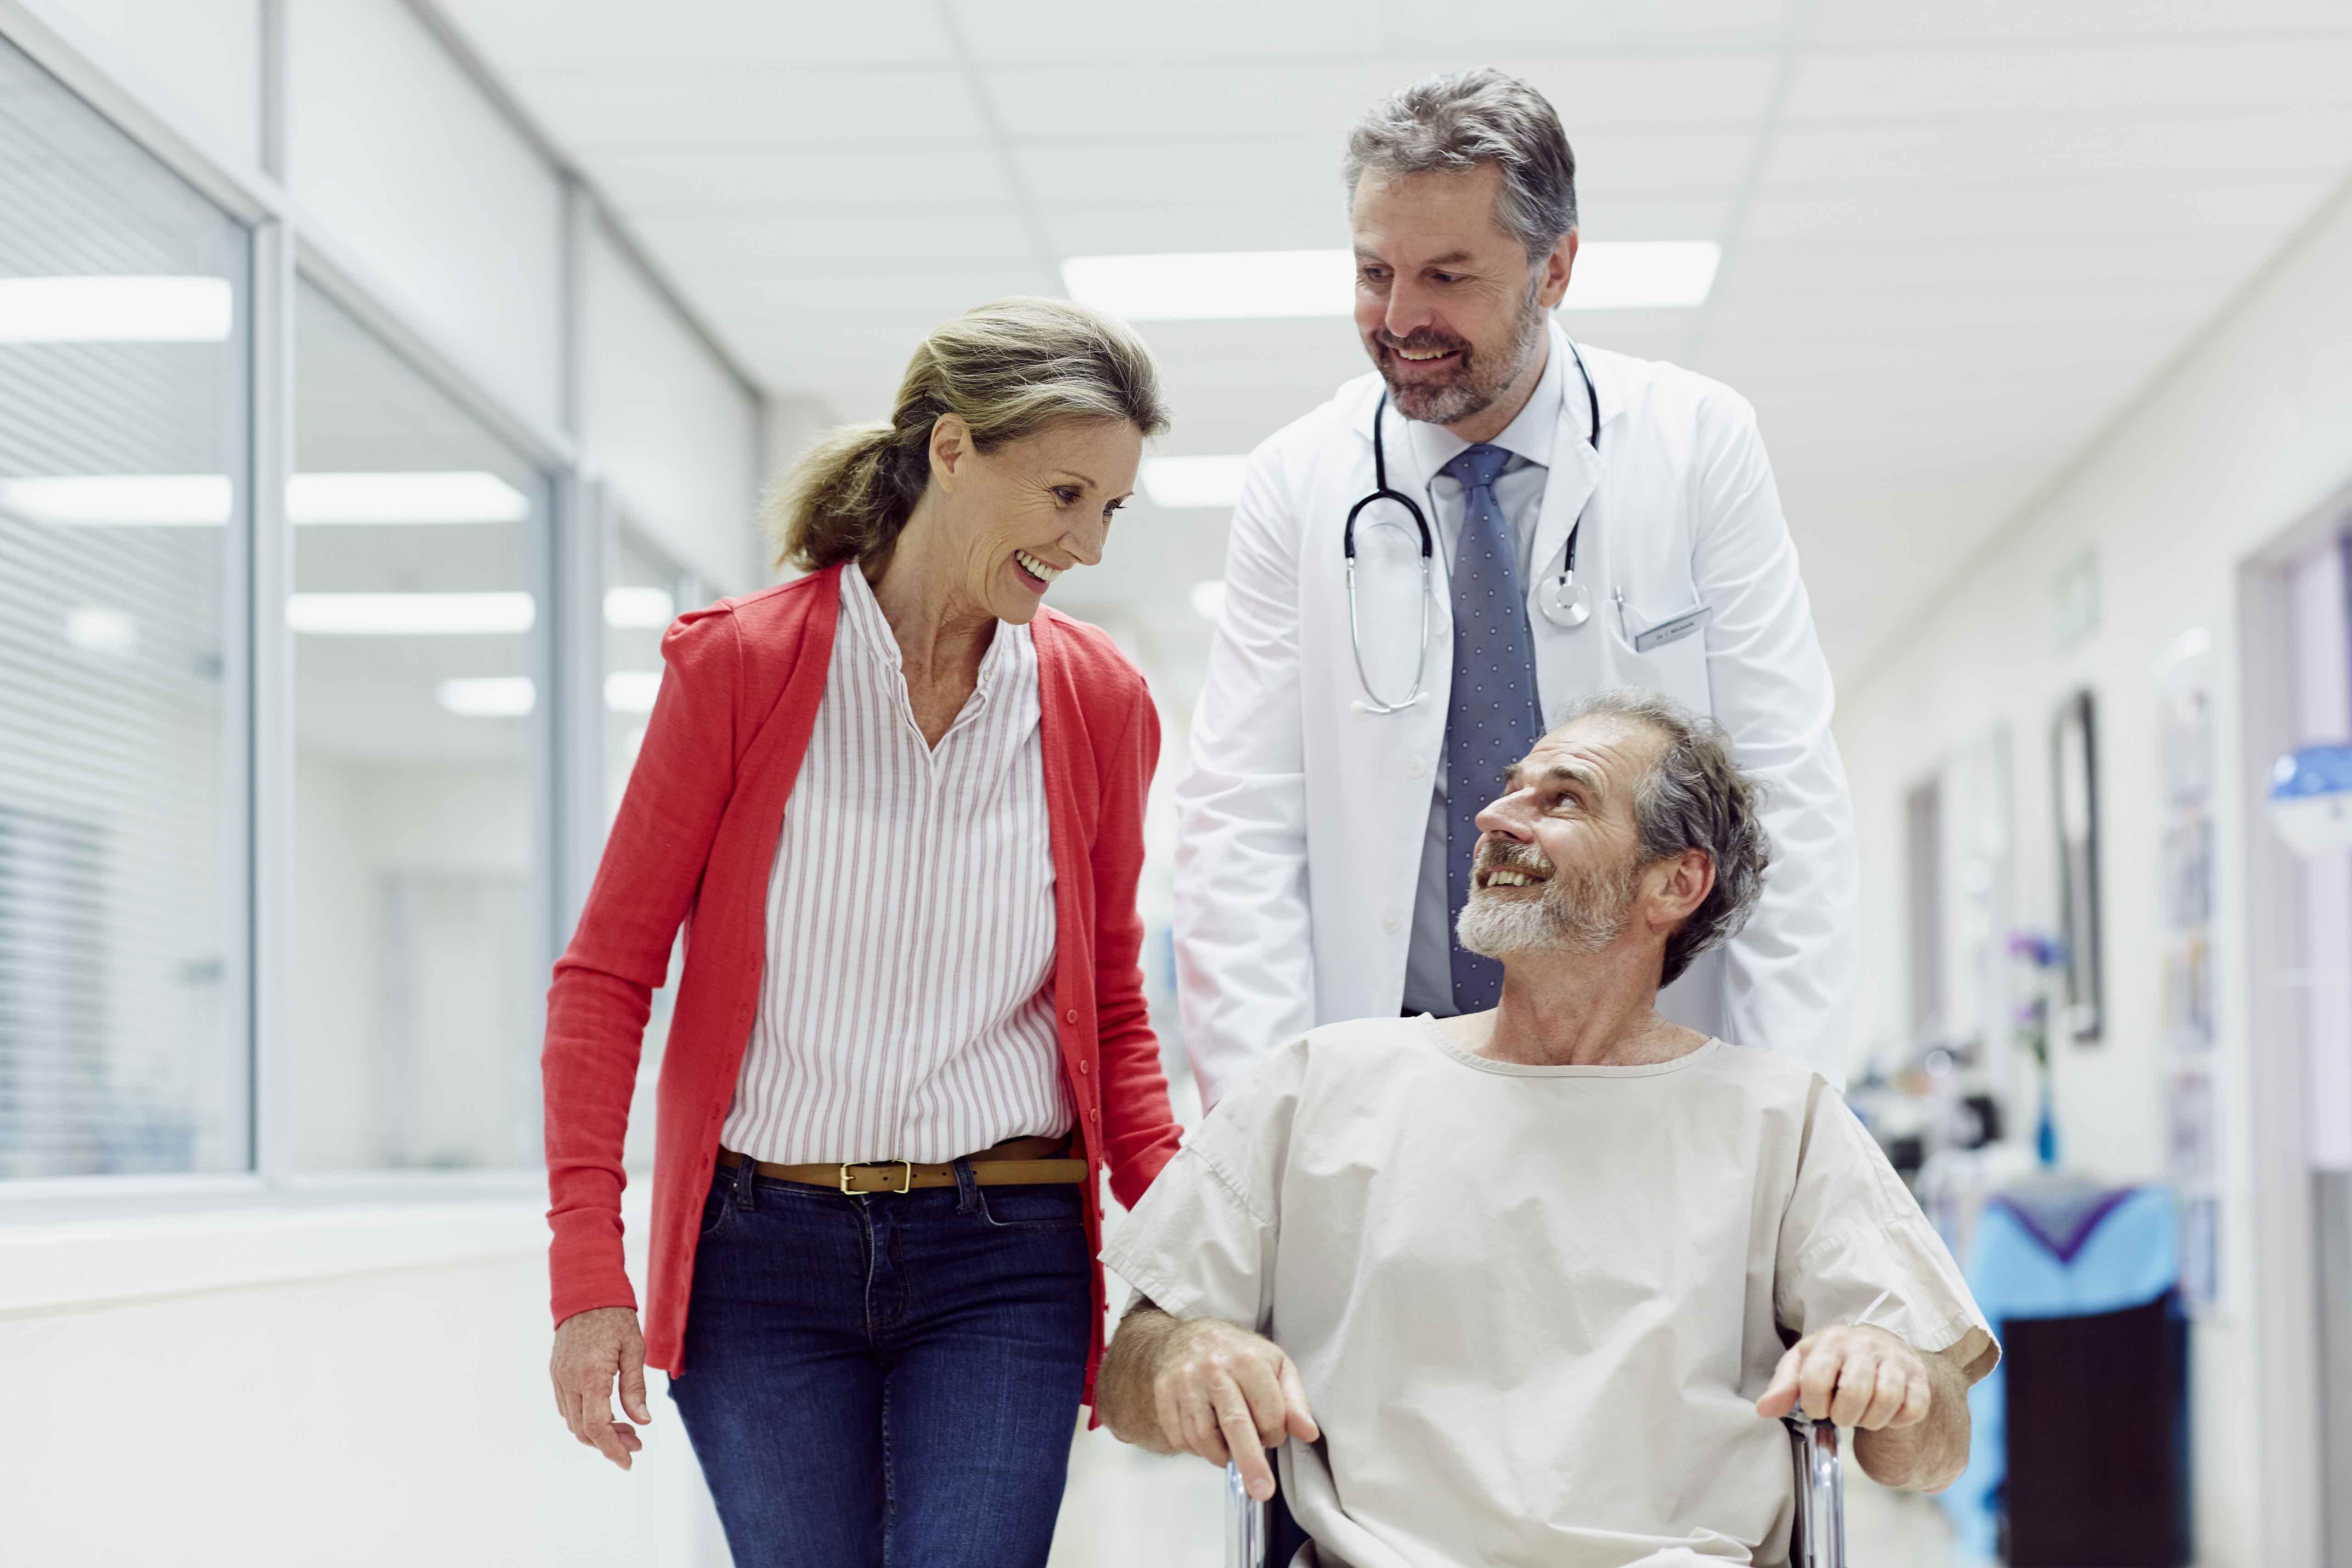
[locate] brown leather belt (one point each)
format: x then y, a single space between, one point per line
1016 1162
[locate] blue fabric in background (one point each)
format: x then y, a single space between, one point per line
2053 1252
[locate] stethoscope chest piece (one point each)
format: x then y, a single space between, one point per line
1565 602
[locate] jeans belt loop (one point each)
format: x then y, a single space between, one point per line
746 1193
967 1186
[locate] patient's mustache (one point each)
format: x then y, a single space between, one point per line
1509 855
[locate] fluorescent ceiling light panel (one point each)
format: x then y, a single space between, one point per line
152 499
488 696
1240 285
631 690
116 310
1642 274
1193 481
640 609
1231 285
405 497
409 615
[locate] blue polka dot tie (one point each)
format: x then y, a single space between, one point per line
1491 717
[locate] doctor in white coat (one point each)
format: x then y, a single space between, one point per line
1325 833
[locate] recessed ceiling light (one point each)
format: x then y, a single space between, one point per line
116 310
409 615
1240 285
488 696
1642 274
1193 481
1209 599
631 690
405 497
1229 285
157 499
640 609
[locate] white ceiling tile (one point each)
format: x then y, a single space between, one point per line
2160 208
723 241
2082 80
1999 266
1083 31
1227 98
1252 173
721 35
1516 27
1269 96
1953 21
820 298
2029 149
770 181
636 111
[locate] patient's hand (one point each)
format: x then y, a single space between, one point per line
1862 1377
1912 1408
1215 1389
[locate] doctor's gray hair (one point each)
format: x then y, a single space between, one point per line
1474 117
1694 798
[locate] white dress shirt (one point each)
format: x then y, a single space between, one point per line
906 1011
1519 490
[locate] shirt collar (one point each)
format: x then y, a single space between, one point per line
872 627
1529 435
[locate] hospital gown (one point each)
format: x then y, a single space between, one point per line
1533 1307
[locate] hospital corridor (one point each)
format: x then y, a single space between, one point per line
1017 783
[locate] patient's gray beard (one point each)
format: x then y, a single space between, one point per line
1581 911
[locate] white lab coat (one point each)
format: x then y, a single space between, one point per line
1301 817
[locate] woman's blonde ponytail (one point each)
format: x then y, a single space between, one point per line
1008 369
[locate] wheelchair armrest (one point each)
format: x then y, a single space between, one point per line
1817 1540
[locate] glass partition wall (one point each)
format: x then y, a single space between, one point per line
419 639
125 338
293 779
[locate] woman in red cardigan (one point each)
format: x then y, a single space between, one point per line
897 806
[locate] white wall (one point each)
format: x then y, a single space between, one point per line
675 434
206 54
2246 434
429 191
373 1392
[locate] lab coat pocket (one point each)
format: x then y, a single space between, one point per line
1676 668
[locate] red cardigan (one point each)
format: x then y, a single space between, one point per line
694 843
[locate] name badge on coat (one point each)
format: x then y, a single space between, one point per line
1673 629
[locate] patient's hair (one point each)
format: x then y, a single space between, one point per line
1694 798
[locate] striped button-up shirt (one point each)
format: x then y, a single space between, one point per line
907 1012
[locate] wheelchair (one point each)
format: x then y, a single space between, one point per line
1816 1541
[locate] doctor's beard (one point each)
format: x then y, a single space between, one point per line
1582 909
1475 385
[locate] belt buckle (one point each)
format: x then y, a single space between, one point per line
906 1179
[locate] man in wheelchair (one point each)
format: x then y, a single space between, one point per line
1524 1283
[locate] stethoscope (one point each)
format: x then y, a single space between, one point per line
1562 600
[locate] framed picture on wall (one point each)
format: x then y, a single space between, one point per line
2074 779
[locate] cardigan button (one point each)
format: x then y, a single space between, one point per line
1071 1017
1095 1115
1086 1066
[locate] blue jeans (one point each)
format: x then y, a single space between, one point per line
887 1379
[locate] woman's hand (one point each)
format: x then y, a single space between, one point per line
591 1347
